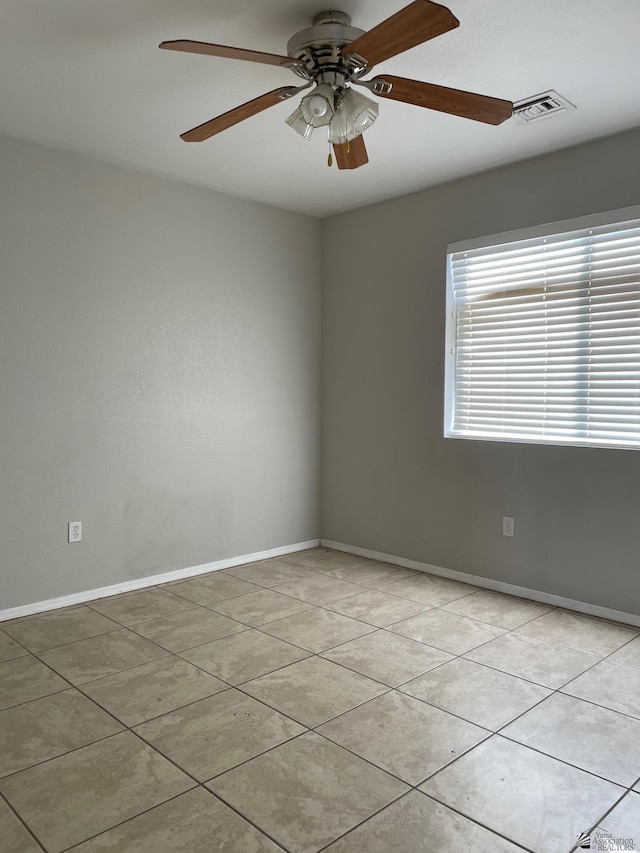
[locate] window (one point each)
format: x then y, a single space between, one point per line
543 334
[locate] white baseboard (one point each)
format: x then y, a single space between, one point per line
154 580
490 583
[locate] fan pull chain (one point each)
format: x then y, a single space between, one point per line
347 146
330 157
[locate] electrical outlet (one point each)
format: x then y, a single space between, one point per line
75 531
508 525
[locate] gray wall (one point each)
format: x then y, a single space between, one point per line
159 375
391 482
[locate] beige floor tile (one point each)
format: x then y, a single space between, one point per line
371 573
218 733
628 655
621 822
403 736
313 691
503 611
577 631
417 824
545 663
258 608
532 799
96 657
477 693
268 573
9 649
38 633
207 589
317 629
26 678
306 793
318 589
195 822
189 629
152 689
321 559
73 797
610 685
590 737
13 836
131 608
447 631
48 727
387 657
430 589
244 656
377 608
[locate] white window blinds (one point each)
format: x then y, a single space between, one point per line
543 337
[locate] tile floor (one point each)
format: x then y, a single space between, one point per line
318 701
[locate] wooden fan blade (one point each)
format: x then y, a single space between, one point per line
352 154
238 114
453 101
416 23
188 46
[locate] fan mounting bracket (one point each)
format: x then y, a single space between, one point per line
332 18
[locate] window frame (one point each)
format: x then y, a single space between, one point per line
610 217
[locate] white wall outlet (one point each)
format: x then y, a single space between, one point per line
75 531
508 525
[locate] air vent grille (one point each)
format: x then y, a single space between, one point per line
541 106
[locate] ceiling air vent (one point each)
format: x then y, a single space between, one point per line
540 106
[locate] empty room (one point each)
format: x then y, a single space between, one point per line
319 426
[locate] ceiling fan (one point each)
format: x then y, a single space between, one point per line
332 57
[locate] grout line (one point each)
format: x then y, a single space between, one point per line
189 774
599 821
129 819
132 726
489 734
550 608
362 822
278 844
476 821
65 753
217 776
118 627
466 719
29 831
561 760
145 620
307 654
383 692
117 672
17 642
243 627
248 820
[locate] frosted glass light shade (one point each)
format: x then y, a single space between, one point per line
317 108
353 115
297 121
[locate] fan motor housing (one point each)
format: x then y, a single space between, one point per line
320 46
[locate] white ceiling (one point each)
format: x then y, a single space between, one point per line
89 77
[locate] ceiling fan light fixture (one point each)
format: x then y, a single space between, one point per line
318 107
